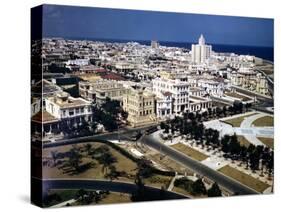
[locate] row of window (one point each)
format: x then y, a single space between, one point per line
72 112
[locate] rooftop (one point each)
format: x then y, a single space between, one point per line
44 117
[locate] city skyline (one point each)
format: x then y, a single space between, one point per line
70 22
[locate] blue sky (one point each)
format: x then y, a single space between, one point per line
96 23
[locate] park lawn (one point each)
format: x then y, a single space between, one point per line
115 197
243 141
190 151
187 193
236 122
266 121
181 191
96 172
158 181
236 95
267 141
244 178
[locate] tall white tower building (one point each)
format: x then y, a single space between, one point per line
200 52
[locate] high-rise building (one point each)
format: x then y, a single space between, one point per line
201 52
155 44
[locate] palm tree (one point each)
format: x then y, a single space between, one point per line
54 157
74 158
88 148
106 160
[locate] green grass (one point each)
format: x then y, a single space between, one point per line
266 121
267 141
236 122
190 151
244 178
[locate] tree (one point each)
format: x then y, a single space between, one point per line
88 148
106 159
94 127
225 143
191 116
167 128
224 111
234 146
144 168
218 111
113 173
111 106
270 163
139 195
214 191
162 125
237 106
109 122
198 187
54 156
204 115
74 158
124 114
210 112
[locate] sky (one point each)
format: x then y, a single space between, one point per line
102 23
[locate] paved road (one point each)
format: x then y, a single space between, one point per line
115 186
251 93
252 137
226 182
123 134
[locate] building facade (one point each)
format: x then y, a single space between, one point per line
250 80
200 52
68 110
140 106
100 90
179 92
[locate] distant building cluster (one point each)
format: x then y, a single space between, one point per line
151 83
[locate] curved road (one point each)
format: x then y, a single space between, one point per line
115 186
226 182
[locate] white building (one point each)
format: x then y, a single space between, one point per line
200 52
214 87
164 105
72 111
178 89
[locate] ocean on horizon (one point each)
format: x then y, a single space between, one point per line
266 53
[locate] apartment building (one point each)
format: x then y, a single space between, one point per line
66 108
140 105
179 92
250 80
99 90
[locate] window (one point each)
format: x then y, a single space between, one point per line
71 112
82 110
